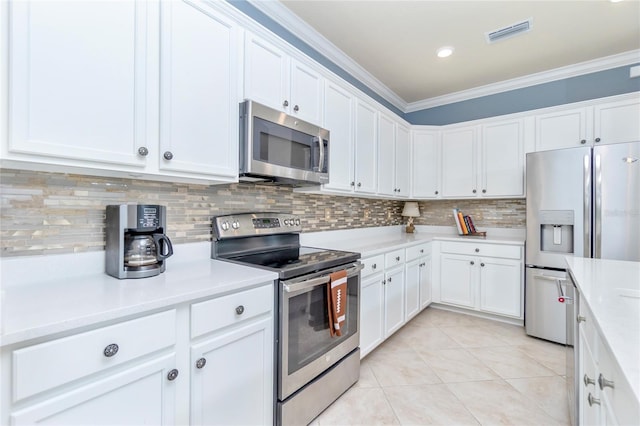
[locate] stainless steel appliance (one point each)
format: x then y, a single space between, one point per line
312 368
136 245
279 148
580 202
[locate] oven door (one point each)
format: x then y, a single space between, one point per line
306 348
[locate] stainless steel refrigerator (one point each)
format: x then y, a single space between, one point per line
580 202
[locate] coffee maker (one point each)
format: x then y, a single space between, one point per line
137 246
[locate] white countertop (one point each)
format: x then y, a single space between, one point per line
611 289
43 295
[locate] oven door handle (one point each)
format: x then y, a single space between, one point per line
295 285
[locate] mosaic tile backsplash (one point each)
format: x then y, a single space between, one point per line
47 213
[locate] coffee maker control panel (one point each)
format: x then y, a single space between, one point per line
148 217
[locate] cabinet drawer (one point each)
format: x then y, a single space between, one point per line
217 313
587 326
482 249
372 265
47 365
394 258
418 251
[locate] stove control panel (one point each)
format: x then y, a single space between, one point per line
248 224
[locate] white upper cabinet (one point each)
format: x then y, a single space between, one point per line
402 161
275 79
502 159
615 121
459 153
338 119
366 141
79 77
386 156
425 164
198 91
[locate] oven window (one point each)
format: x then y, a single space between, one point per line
279 145
309 337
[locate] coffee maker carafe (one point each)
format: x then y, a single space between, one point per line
137 246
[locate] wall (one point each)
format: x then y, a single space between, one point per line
47 213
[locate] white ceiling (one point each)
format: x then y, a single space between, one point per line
396 41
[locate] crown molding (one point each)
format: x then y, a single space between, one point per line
283 16
574 70
289 20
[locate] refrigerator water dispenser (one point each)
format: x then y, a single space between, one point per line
556 231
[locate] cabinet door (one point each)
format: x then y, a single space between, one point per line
371 313
502 155
459 163
563 129
617 122
306 93
457 280
199 96
139 395
402 165
393 301
386 156
265 73
500 286
338 119
365 148
425 164
81 80
425 282
234 383
413 271
589 414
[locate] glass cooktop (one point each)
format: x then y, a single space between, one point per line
292 262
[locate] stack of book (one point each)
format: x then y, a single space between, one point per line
465 224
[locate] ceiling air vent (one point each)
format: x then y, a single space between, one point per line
510 31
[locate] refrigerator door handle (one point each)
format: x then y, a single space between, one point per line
587 206
597 215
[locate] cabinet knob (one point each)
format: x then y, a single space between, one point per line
604 383
587 381
484 191
597 140
477 250
296 108
353 184
240 310
472 262
200 363
389 280
359 184
592 400
168 155
482 264
374 266
143 151
436 192
583 141
397 258
172 374
580 319
285 103
421 250
384 282
399 190
110 350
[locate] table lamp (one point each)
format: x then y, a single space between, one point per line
410 210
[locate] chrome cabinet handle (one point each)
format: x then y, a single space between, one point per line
397 258
482 264
143 151
359 184
285 103
484 191
592 400
389 280
587 381
172 374
200 363
436 192
472 262
583 141
240 310
110 350
353 184
384 282
474 191
477 250
580 319
296 108
421 250
597 140
604 383
168 155
374 266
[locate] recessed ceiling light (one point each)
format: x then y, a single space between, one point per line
445 51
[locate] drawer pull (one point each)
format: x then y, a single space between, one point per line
172 374
604 383
240 310
200 363
592 400
389 280
587 381
374 266
580 318
397 258
111 350
477 250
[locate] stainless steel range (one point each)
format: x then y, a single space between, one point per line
313 368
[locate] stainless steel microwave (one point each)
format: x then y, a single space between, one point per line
280 148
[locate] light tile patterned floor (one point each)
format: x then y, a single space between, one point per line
446 368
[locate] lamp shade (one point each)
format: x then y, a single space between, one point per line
411 209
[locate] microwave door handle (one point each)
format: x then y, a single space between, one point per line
294 285
321 160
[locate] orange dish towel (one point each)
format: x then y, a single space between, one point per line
337 301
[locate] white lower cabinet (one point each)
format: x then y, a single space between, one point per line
150 369
371 313
394 316
491 281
